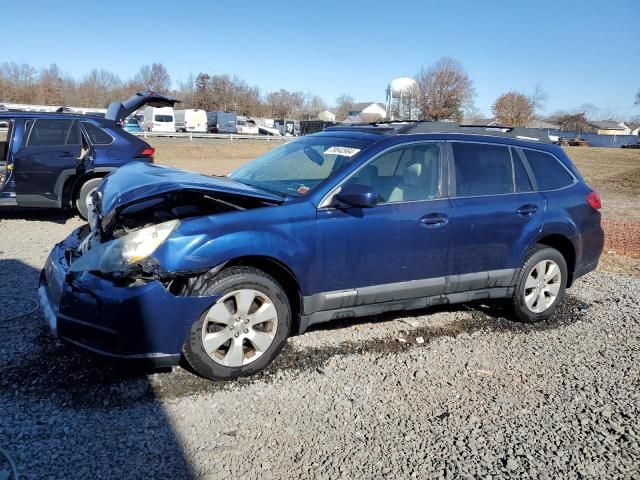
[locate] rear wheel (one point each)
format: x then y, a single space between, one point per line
541 284
84 196
242 332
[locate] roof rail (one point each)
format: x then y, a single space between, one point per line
428 126
520 133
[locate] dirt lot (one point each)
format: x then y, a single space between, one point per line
452 392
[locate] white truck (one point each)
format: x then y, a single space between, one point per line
191 120
246 126
159 119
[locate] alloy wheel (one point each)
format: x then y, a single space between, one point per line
542 286
239 328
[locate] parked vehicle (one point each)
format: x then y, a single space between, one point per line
269 131
246 126
631 145
159 119
307 127
191 120
222 122
578 142
350 222
286 127
55 160
132 125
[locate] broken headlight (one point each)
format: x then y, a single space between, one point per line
117 255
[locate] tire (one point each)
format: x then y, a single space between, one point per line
230 330
87 189
539 289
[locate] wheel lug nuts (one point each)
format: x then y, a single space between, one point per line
246 330
246 320
237 334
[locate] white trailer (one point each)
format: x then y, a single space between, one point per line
159 119
191 120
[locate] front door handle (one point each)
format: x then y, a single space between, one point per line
527 210
434 220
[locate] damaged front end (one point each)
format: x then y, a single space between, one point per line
115 286
127 227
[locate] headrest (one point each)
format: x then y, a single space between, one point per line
368 175
413 173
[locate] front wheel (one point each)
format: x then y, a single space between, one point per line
84 196
244 330
541 284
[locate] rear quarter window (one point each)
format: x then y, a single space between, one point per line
548 171
97 136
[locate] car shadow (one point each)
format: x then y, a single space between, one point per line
54 215
107 415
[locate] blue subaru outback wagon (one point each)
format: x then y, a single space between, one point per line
349 222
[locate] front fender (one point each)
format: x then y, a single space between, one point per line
283 233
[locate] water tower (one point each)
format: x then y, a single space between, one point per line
401 99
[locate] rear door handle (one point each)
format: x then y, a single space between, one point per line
434 220
527 210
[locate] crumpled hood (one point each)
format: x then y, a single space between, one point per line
137 181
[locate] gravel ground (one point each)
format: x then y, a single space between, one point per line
457 392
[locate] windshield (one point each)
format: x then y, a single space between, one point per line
297 167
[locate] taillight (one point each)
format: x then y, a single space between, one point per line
593 199
148 152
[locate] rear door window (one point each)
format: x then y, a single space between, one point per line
53 133
482 169
548 171
97 136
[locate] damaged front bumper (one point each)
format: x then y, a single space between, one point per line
144 321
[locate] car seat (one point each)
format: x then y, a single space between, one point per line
420 177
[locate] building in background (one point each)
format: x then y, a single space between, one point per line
327 116
368 110
610 127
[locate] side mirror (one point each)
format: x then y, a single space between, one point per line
360 196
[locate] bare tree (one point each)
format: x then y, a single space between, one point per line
285 104
443 90
154 77
471 114
539 97
344 104
573 122
637 100
98 88
513 109
19 82
312 106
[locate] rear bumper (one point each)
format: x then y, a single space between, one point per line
592 246
144 322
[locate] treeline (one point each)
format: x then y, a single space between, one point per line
21 83
443 91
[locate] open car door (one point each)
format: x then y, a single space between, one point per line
119 111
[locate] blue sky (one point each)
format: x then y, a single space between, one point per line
334 47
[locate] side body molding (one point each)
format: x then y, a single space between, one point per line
377 299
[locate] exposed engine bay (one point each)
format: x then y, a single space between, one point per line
169 206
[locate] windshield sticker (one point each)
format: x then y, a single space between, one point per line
302 189
344 151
